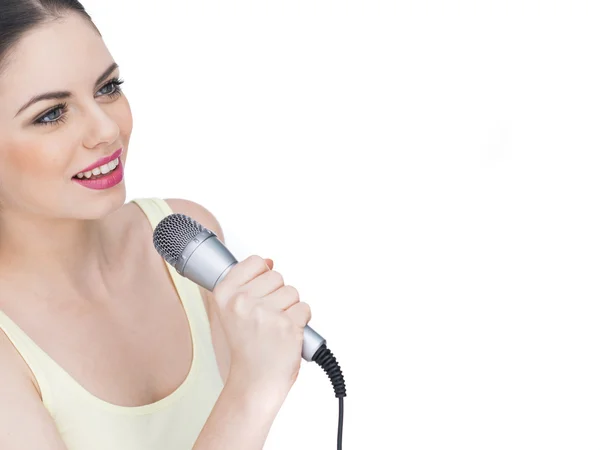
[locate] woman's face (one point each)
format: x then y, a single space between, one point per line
44 144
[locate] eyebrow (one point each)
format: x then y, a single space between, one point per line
59 95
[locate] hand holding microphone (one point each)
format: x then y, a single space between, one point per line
198 254
263 321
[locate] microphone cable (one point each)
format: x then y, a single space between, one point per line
326 360
177 238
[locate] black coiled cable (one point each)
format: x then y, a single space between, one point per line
324 358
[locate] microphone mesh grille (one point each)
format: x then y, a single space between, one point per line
173 233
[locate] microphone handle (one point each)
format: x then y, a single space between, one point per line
203 271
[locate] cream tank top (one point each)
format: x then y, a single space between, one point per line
86 422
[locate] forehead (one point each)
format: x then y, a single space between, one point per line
58 55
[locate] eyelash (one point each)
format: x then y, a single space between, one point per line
117 91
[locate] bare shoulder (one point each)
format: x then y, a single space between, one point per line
206 218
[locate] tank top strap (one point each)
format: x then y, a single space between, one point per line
87 422
36 359
155 210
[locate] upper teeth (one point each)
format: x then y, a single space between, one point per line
104 169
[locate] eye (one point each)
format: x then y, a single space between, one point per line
111 89
52 117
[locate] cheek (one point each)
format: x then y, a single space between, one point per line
122 116
33 172
124 119
36 157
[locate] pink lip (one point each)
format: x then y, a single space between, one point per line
105 182
102 161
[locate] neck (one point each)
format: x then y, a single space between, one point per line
68 254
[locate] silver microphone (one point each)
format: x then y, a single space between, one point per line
198 254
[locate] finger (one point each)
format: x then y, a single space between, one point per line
264 284
245 271
299 313
283 298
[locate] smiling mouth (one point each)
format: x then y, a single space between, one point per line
100 171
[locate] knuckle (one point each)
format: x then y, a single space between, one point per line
256 260
284 324
239 302
306 311
262 315
293 292
241 296
277 277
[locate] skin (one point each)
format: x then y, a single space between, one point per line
98 242
80 276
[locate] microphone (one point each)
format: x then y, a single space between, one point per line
197 253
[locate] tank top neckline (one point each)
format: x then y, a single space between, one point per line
113 407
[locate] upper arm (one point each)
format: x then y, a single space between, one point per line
25 424
208 220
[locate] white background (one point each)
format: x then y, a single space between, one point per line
424 172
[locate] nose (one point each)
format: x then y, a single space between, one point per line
100 127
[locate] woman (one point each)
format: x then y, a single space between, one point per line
102 344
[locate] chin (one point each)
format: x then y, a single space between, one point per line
99 204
